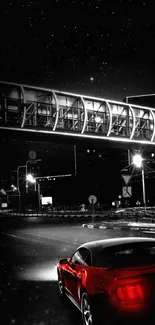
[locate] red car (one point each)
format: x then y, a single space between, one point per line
111 279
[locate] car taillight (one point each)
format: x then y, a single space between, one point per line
130 293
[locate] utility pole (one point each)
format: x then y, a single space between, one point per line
18 185
75 161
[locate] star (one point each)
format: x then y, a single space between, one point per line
62 48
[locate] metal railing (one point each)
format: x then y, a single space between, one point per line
79 115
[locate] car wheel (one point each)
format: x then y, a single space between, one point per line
88 315
61 288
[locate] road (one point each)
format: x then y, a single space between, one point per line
30 253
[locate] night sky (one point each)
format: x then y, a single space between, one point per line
99 48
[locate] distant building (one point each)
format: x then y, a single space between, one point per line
143 100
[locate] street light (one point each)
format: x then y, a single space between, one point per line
34 162
138 162
33 180
18 185
30 178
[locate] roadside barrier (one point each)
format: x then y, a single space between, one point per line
120 227
81 216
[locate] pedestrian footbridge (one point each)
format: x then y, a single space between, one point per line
44 110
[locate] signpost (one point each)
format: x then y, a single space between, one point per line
92 200
32 154
126 189
126 178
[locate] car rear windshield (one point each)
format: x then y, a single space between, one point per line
135 254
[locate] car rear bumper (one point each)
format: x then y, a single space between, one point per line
129 316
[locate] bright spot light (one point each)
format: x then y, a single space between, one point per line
14 188
39 272
98 119
2 191
30 178
137 160
152 154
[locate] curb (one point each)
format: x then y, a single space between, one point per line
117 227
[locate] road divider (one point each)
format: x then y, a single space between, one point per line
128 226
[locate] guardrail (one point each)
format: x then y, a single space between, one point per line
61 216
49 214
78 215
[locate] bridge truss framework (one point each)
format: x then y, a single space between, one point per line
24 107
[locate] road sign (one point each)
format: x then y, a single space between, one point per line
127 191
32 154
126 178
92 199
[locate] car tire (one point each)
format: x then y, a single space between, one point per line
61 288
89 316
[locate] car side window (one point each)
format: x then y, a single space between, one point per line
76 258
82 256
86 255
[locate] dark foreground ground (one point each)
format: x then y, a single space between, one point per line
30 250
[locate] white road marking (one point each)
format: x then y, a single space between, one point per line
31 239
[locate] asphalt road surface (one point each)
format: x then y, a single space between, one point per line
30 251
